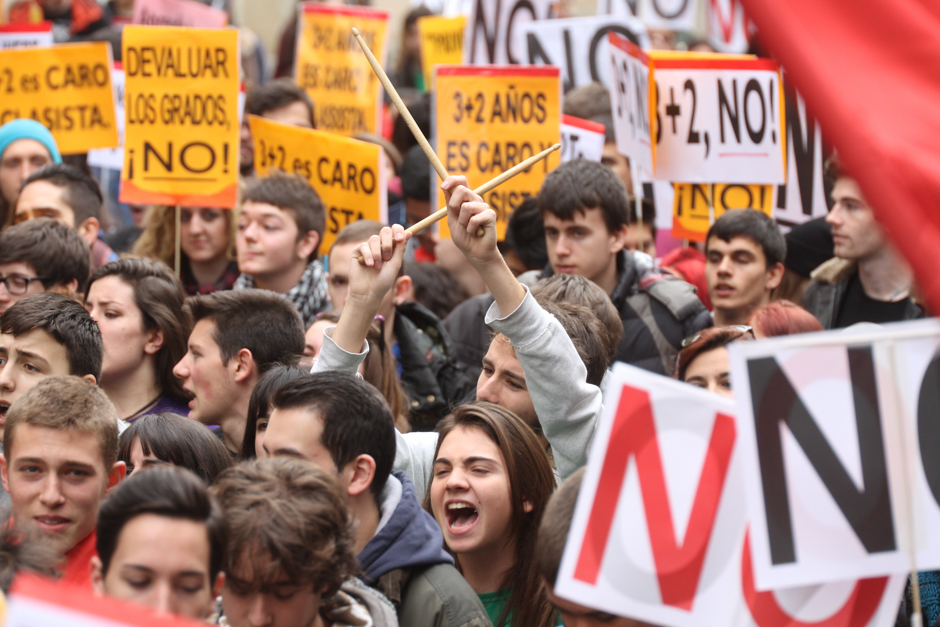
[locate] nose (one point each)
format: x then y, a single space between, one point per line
562 245
51 495
5 296
250 232
486 390
834 217
181 369
258 614
162 600
456 480
724 266
6 379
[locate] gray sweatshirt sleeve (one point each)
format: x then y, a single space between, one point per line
414 452
567 405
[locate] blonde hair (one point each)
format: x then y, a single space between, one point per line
158 239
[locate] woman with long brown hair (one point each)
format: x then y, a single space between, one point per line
489 487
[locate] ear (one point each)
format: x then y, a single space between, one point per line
88 229
402 290
118 470
307 244
527 506
618 239
90 378
4 472
154 342
244 365
774 276
359 474
97 578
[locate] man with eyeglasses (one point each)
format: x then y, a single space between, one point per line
41 256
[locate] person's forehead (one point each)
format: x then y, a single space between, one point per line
592 217
38 342
736 243
256 210
138 534
57 447
463 442
295 113
293 423
26 148
340 254
845 187
42 194
203 335
503 355
17 267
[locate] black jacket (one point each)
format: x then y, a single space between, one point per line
433 380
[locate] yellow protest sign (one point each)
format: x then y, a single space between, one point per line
66 88
489 118
441 42
690 216
331 67
349 175
181 104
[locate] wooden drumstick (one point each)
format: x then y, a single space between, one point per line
499 180
402 109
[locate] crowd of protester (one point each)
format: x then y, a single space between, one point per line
388 432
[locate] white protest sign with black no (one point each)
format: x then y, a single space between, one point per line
581 139
630 102
579 46
664 14
494 33
833 438
113 158
25 35
659 525
719 120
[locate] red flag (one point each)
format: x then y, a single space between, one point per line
869 71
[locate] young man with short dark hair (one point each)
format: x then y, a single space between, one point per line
280 227
41 256
584 207
280 101
744 253
161 540
237 337
867 280
291 560
66 194
60 460
344 425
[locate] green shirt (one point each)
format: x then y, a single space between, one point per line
495 603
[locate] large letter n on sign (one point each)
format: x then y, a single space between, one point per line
868 510
678 567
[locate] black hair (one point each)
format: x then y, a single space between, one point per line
277 94
51 248
356 419
754 225
259 406
82 193
415 174
579 185
525 234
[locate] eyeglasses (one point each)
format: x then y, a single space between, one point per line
17 284
743 328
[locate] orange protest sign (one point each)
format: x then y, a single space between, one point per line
348 174
696 206
441 42
181 104
489 118
332 69
67 88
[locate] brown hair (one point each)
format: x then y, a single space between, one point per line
293 194
587 101
79 191
51 248
379 370
590 337
576 289
530 482
159 297
782 317
553 531
577 186
64 403
158 238
291 512
707 340
277 94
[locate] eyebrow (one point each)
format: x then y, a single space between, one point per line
289 452
38 460
30 355
470 460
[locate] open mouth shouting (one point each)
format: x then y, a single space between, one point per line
4 408
461 516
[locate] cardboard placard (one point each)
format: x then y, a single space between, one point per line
334 71
838 435
727 26
494 29
36 601
662 14
181 105
659 532
697 206
581 139
187 13
580 46
348 175
25 35
488 119
718 120
630 102
66 88
113 158
441 42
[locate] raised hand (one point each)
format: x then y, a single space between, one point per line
467 217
